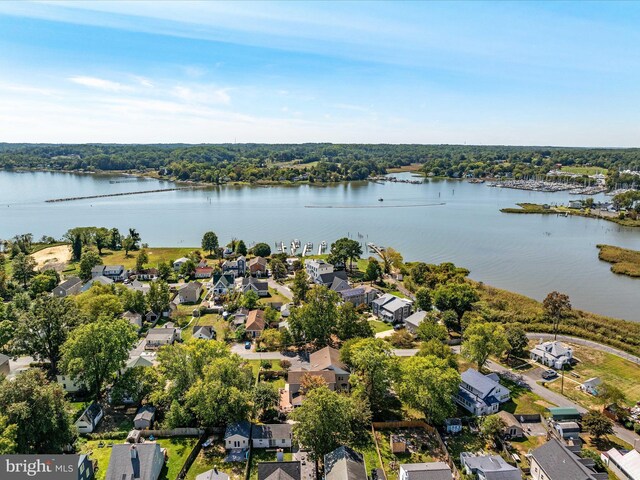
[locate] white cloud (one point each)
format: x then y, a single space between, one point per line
203 94
99 83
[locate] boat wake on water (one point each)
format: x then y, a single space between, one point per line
378 206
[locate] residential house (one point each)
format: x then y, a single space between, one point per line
353 295
137 361
144 417
70 286
256 323
204 332
100 280
279 471
453 425
237 267
513 426
293 388
4 365
425 471
134 318
240 317
554 461
70 384
237 435
339 284
568 430
591 386
327 279
159 337
413 321
140 461
560 414
213 474
370 294
481 394
90 418
489 467
179 262
117 273
258 266
85 467
250 283
552 354
328 359
222 283
138 286
189 293
150 274
316 268
277 435
390 308
344 463
204 272
624 464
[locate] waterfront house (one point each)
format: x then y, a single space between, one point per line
554 461
222 283
237 267
552 354
179 262
390 308
149 274
339 284
189 293
344 463
512 426
328 359
90 418
144 417
117 273
250 283
4 365
316 268
279 470
70 286
488 467
370 294
353 295
256 323
327 279
236 435
258 266
203 272
413 321
134 318
140 461
425 471
277 435
624 464
481 394
204 332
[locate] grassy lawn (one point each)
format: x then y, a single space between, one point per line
100 454
211 320
214 457
76 408
379 326
367 447
274 297
156 256
259 455
427 449
275 365
524 401
465 441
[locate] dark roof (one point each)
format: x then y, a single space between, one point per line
558 462
70 282
259 285
92 412
123 467
427 471
3 358
352 292
328 278
145 413
327 358
344 463
274 430
238 428
279 471
206 330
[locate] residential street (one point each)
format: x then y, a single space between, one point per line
281 289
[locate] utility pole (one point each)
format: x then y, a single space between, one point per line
562 381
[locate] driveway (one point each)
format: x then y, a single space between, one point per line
297 362
281 289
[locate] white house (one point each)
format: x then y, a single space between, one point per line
591 386
625 465
179 262
489 467
552 354
481 394
236 436
390 308
271 436
90 418
316 268
69 384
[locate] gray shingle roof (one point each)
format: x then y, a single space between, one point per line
279 471
70 282
238 428
559 463
144 466
493 467
145 413
3 358
478 381
344 463
427 471
212 475
271 431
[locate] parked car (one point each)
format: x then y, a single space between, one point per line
398 326
547 374
247 345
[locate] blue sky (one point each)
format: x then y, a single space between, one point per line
417 72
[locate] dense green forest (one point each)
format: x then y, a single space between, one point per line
318 162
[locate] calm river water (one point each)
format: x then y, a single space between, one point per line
529 254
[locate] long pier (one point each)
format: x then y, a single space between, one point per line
122 194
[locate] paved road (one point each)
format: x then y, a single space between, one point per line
586 343
297 361
386 333
281 289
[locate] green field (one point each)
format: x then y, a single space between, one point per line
584 170
379 326
212 320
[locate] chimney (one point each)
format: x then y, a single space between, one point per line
134 452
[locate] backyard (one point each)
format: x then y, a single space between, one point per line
213 457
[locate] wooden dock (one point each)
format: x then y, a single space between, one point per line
122 194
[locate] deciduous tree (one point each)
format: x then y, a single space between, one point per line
300 286
556 307
458 297
597 424
23 268
481 340
351 324
261 249
88 260
210 242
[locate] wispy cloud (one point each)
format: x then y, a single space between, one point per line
100 84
